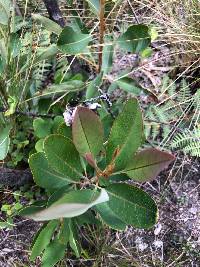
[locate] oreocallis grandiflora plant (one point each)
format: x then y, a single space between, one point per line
87 176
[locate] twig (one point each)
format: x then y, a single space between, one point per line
54 12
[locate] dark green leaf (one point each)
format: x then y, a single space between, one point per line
129 85
126 135
72 42
87 218
132 205
58 120
63 156
53 253
44 175
58 194
65 130
42 127
43 239
109 217
74 238
135 39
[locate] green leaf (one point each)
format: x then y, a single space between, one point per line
58 120
43 239
95 6
146 52
42 127
6 225
92 89
129 85
109 217
72 204
135 39
46 53
60 192
107 60
53 253
147 164
64 231
4 11
87 218
48 24
12 102
87 132
65 87
63 157
39 145
65 130
4 142
126 135
44 175
74 238
132 205
72 42
27 211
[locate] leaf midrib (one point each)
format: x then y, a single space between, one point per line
88 144
129 202
146 166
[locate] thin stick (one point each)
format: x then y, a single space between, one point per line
101 32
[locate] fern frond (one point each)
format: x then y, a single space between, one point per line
188 141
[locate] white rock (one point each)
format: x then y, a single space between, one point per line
158 229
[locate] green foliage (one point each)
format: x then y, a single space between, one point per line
63 157
188 141
126 135
132 205
71 42
4 11
48 23
135 39
4 141
116 203
43 174
170 119
43 238
129 85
